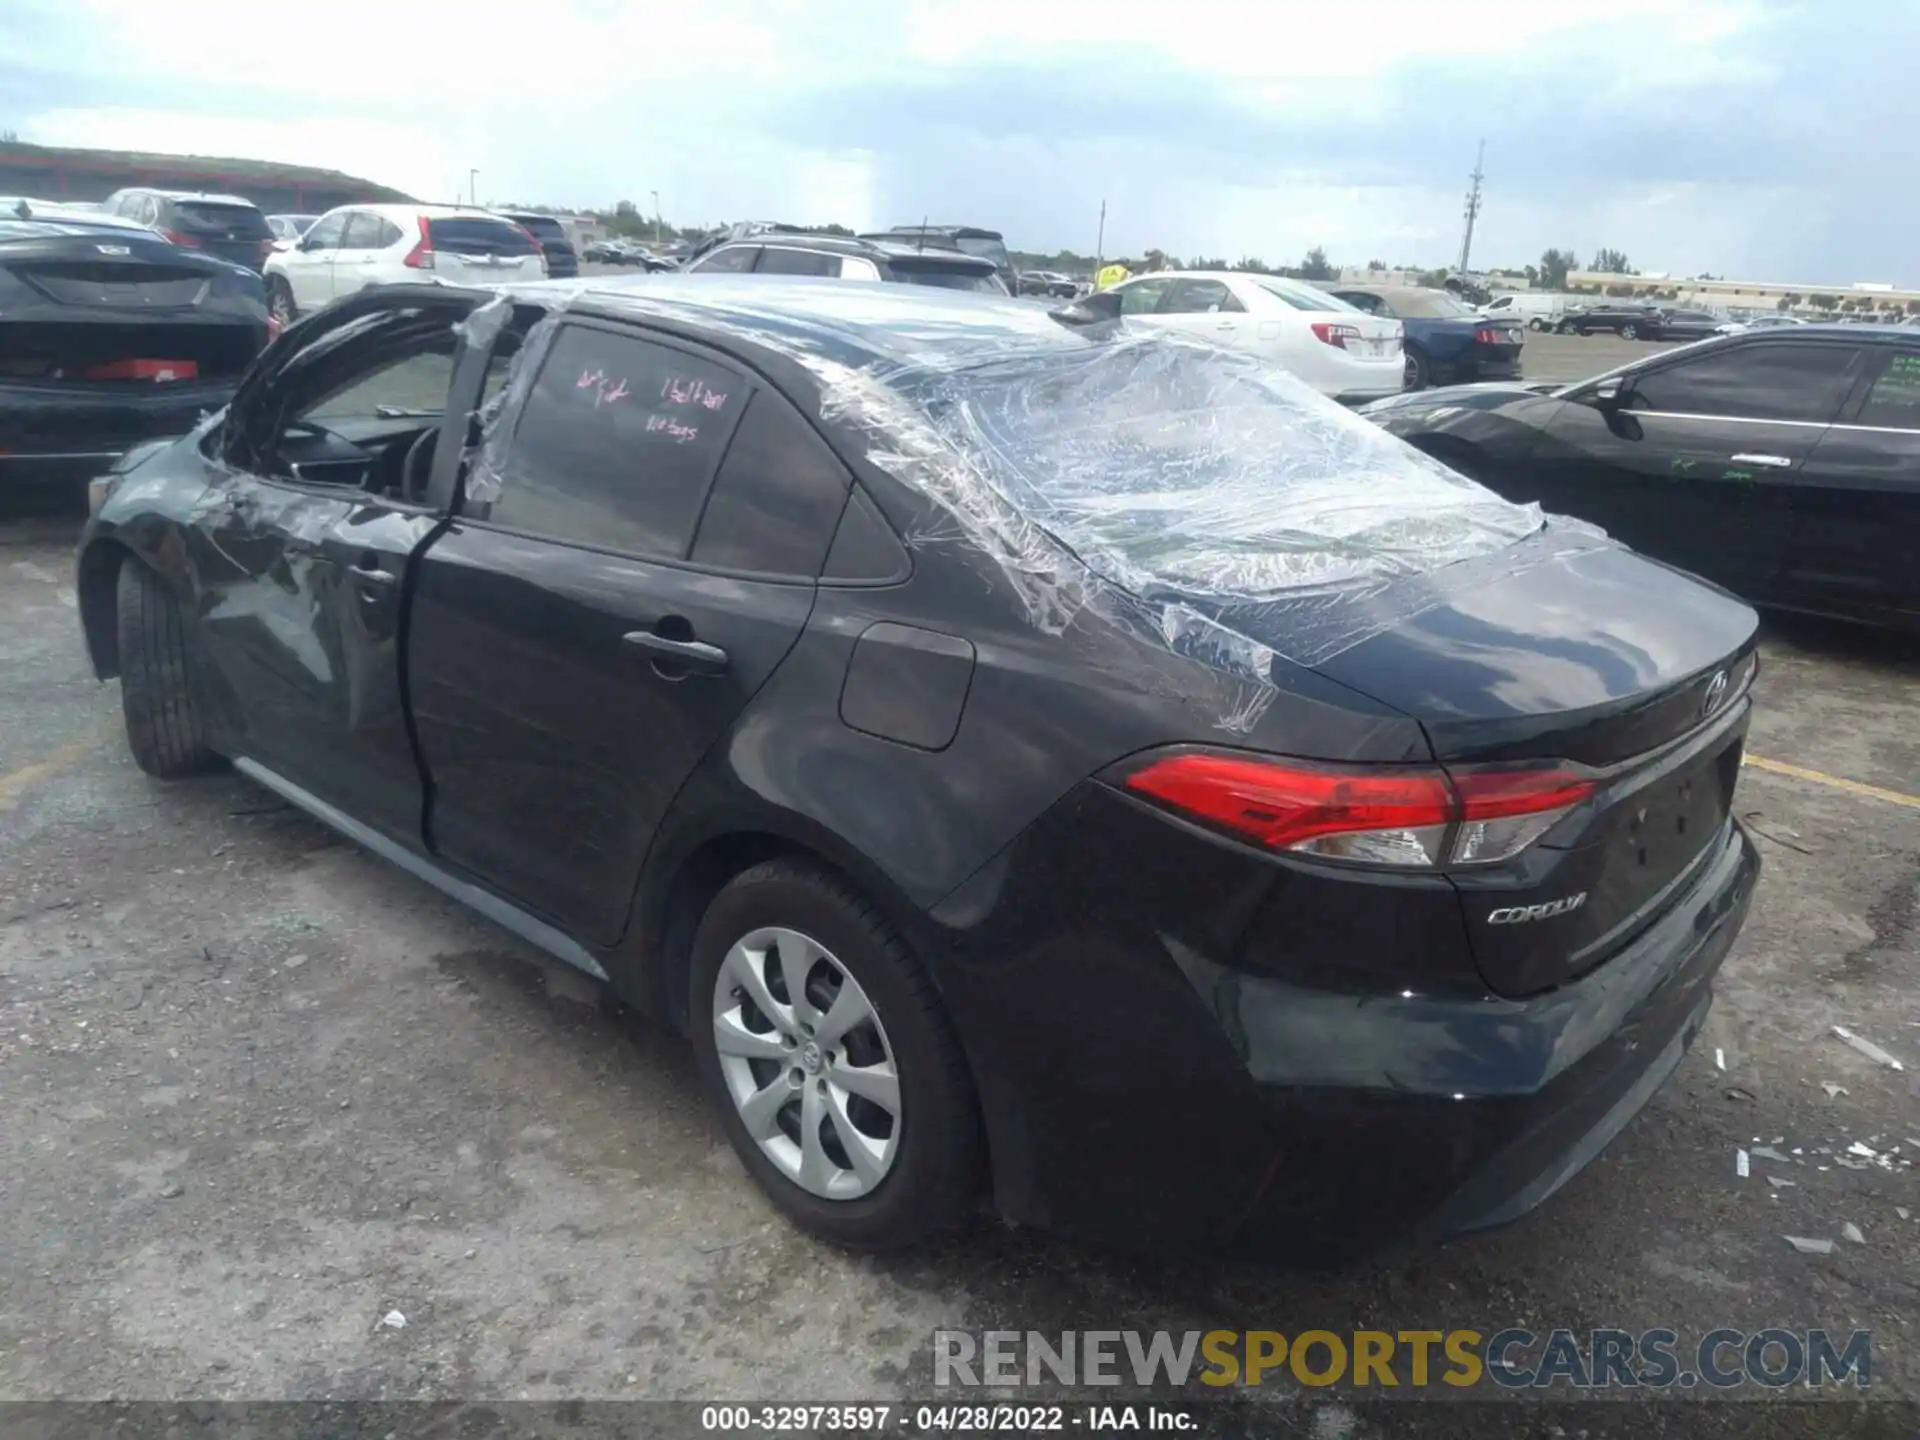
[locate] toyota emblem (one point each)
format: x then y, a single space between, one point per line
1716 693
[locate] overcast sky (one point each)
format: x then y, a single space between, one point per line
1769 139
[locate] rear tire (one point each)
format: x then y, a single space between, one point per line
1536 324
922 1175
157 695
1629 332
280 301
1418 373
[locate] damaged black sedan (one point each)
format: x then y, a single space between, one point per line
1033 761
110 337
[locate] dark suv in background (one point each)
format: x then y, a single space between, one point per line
225 226
563 261
967 239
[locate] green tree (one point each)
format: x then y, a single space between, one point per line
1376 265
1532 272
1252 264
1433 279
1613 262
1315 266
1913 307
1846 307
1554 265
1824 302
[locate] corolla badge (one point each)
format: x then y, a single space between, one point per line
1521 914
1716 693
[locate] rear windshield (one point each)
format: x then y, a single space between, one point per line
948 277
1172 467
475 235
1428 305
543 226
986 249
236 222
1302 297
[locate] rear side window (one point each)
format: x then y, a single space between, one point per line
227 222
544 227
463 235
777 498
617 443
1894 400
729 259
1752 382
1201 297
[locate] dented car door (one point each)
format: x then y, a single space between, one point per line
303 551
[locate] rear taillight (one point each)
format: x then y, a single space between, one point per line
420 257
1487 335
1405 818
1329 332
181 238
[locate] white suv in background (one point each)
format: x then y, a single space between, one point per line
349 249
1340 351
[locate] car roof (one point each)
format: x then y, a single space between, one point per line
968 232
65 214
211 197
860 245
1386 292
856 323
1877 330
41 226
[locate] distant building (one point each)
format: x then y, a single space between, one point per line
1755 295
48 172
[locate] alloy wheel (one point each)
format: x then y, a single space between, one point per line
807 1063
280 304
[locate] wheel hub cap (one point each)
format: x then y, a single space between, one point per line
807 1063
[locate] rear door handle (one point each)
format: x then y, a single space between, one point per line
1778 462
695 655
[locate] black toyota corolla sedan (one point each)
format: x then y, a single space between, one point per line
1782 463
1030 760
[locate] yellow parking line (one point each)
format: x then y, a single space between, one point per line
16 783
1820 777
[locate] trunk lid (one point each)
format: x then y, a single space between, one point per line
1620 665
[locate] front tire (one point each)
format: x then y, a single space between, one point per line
158 700
1629 332
280 301
836 1072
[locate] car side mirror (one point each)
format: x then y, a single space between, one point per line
1610 393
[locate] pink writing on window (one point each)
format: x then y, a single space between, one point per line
673 429
604 394
692 392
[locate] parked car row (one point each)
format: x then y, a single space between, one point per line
1780 462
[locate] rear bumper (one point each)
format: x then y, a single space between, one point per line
54 436
1207 1058
1492 367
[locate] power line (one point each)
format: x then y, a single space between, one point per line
1473 206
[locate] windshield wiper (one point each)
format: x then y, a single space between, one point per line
400 412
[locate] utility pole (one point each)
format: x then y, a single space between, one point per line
472 175
656 218
1100 244
1473 206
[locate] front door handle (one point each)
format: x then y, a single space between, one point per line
695 655
367 571
1778 462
